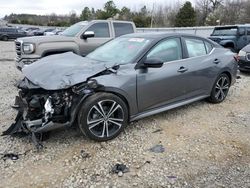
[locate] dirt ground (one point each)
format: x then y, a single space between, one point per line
205 145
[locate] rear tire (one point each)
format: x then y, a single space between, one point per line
220 89
103 116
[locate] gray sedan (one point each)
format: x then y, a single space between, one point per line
126 79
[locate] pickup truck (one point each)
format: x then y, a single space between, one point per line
81 38
233 37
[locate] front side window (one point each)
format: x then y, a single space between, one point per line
195 47
123 29
101 30
225 31
167 50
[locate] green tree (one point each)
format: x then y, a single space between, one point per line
142 18
186 16
110 10
86 14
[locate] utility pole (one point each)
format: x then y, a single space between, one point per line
152 15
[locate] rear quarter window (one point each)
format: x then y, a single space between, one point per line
123 29
208 46
195 47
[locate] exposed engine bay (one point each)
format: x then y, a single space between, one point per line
40 111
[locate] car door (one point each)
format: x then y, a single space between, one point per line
202 66
242 38
102 35
160 86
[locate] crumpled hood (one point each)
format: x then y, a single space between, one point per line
222 37
62 71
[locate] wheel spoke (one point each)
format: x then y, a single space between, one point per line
222 95
103 130
116 123
217 94
100 106
113 111
223 81
96 108
116 119
94 123
107 129
225 87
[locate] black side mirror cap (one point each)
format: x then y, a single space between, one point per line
153 63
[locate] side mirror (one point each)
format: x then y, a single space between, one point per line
88 34
153 63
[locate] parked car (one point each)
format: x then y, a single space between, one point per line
233 37
7 33
54 32
41 32
81 38
244 59
126 79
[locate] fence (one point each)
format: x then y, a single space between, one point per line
200 31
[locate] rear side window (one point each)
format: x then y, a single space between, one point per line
167 50
101 30
209 47
195 47
123 29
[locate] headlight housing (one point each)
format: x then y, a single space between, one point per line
242 53
28 48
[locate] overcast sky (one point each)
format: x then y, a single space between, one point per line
65 6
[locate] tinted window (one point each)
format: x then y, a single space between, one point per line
209 47
101 30
123 29
195 47
168 50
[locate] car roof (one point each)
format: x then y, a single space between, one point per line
159 35
228 26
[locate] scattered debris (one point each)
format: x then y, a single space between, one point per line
172 177
120 169
84 154
238 77
157 130
10 156
157 149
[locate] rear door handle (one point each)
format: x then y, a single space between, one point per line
182 69
216 61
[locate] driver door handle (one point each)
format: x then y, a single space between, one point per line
182 69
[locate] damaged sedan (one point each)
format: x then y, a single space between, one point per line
126 79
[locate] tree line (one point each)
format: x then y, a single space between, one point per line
202 13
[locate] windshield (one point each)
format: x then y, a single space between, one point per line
121 50
73 30
225 31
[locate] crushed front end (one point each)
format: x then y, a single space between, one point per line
41 111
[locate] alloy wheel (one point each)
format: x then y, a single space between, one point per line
105 118
221 88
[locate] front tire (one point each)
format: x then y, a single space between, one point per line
103 116
5 38
220 89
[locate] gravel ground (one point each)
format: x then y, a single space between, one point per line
204 145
